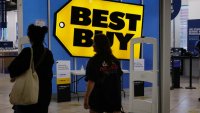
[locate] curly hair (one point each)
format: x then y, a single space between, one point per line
36 34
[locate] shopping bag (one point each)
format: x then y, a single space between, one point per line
25 90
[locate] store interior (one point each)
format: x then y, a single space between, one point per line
184 86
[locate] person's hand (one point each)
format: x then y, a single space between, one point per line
12 79
86 103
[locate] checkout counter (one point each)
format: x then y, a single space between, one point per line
183 63
7 54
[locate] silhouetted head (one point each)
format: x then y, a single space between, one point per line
36 34
102 44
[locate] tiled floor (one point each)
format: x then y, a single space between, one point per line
185 100
182 100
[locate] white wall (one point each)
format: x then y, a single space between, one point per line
175 28
193 13
11 26
194 8
184 2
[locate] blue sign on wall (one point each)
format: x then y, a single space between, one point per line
193 34
175 8
3 14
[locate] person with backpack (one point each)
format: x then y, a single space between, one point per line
103 76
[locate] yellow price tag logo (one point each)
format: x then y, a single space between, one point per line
79 20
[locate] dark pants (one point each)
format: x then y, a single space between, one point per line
31 109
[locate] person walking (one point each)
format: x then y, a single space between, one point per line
43 62
103 76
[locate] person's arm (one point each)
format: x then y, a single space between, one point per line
90 86
20 64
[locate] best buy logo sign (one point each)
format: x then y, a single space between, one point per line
79 20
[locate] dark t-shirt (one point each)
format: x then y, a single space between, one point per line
106 95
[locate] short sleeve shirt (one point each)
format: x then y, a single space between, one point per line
106 95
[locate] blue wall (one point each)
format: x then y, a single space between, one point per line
37 9
33 10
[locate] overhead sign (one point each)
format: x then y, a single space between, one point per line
79 20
